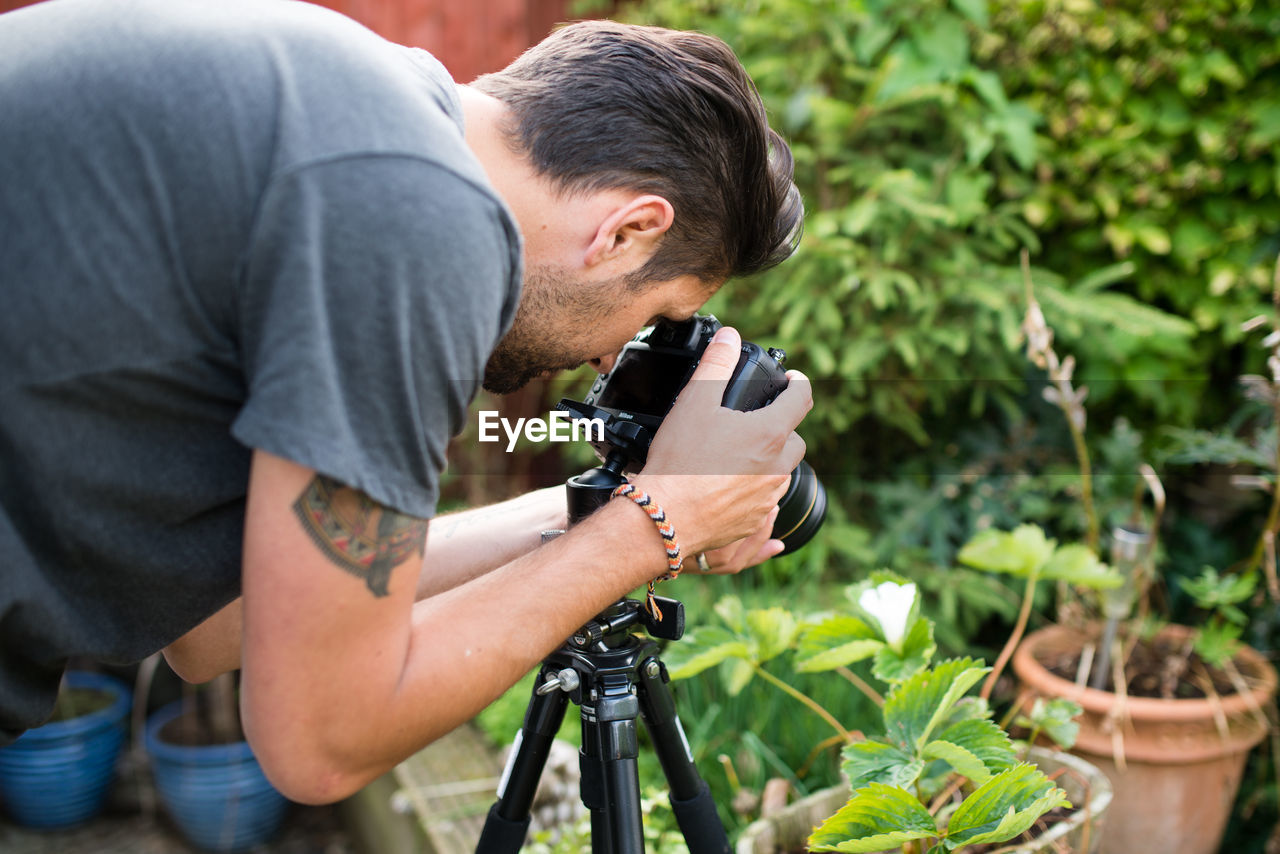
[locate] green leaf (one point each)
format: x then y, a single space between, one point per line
1213 590
730 609
871 37
875 818
904 72
974 10
944 43
1104 277
1018 552
1077 564
1055 718
1154 239
1017 126
702 649
914 707
867 762
836 642
772 631
1217 642
961 761
917 648
976 749
966 194
737 674
1117 312
1003 807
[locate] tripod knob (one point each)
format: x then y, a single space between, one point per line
566 680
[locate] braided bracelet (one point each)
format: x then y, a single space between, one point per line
659 517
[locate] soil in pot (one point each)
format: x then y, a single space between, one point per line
193 729
75 702
1164 666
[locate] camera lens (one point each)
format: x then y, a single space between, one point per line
802 510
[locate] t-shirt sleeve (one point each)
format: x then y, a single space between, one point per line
374 289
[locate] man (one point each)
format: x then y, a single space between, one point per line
256 262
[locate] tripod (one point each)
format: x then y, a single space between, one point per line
614 676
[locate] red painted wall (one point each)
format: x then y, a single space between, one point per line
470 37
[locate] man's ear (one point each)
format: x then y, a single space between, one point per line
635 225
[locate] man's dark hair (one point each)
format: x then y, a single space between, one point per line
601 105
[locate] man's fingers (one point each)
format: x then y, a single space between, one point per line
795 401
716 365
749 551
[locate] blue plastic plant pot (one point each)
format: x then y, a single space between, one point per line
216 794
59 774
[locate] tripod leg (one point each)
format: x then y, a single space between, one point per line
508 821
610 775
690 795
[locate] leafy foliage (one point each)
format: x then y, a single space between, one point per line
1159 150
930 733
1025 552
925 721
916 162
1056 718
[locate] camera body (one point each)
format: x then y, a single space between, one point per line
631 401
635 397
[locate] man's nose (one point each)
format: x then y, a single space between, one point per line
604 364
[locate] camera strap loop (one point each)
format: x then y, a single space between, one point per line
665 529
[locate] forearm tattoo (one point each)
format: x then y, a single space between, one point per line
363 537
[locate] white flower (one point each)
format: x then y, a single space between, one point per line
890 603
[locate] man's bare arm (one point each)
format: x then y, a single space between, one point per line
211 648
462 545
469 543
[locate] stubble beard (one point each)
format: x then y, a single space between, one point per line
550 305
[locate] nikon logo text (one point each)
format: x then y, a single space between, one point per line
556 427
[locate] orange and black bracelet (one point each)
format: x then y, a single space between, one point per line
665 529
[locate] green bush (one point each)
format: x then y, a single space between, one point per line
918 168
1159 142
1130 147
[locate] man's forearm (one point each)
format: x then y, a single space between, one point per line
462 546
469 543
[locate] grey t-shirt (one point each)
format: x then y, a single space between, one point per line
224 225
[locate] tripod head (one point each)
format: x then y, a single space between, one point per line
587 493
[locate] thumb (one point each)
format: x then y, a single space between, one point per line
716 366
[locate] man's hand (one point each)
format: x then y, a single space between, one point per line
747 552
719 473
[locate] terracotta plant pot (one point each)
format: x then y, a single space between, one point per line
1181 760
1086 786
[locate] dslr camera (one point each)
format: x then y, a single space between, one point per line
632 400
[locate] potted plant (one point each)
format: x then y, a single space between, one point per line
206 774
58 775
938 770
1169 712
